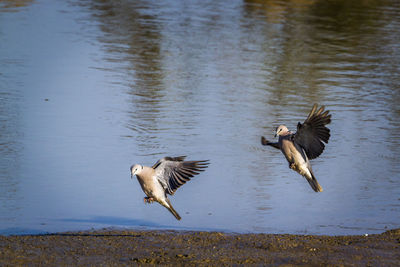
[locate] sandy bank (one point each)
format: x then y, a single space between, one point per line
109 247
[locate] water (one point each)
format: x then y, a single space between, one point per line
88 88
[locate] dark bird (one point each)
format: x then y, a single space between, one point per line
165 177
304 145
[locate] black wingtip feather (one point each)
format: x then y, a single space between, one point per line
183 172
180 158
313 133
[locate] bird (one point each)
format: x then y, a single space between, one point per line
165 177
305 144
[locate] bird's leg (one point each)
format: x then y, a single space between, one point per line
148 200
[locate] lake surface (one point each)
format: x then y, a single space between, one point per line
88 88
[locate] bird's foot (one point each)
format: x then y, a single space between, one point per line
148 200
292 166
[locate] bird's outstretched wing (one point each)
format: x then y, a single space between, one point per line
312 134
174 172
265 142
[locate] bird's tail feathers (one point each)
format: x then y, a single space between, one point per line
314 183
172 210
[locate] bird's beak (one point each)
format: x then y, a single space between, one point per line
275 135
131 176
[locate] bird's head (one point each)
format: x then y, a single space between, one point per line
281 130
136 169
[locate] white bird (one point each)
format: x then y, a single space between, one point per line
306 144
165 177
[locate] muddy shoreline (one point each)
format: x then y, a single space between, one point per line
129 247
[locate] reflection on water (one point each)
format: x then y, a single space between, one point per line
9 154
14 5
105 84
132 39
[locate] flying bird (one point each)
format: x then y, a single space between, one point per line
304 145
165 177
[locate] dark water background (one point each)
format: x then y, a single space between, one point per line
88 88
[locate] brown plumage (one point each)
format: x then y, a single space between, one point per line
306 144
165 177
